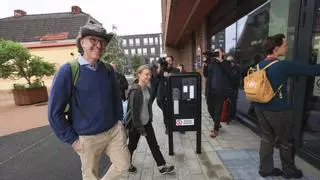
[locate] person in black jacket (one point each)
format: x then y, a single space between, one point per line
121 80
165 69
216 70
140 105
234 85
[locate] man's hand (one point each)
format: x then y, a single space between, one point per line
76 145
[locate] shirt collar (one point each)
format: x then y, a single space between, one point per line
83 62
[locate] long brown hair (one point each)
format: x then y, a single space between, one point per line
139 71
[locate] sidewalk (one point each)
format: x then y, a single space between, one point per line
231 155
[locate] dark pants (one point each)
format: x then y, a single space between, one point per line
162 103
233 104
215 103
276 127
134 137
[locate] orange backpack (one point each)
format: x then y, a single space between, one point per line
257 86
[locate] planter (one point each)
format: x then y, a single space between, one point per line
30 95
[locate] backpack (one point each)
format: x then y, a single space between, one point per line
75 69
257 86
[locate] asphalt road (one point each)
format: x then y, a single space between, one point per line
37 155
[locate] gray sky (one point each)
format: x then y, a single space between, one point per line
130 16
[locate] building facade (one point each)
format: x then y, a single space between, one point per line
248 23
148 46
51 36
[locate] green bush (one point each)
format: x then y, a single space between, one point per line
16 62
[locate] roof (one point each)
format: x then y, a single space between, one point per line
43 27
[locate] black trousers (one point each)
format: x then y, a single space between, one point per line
233 106
276 127
134 137
215 103
162 103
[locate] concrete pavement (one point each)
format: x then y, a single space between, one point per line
37 154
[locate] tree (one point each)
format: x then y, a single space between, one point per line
16 62
114 52
136 62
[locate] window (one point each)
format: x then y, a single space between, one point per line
151 59
150 41
126 51
153 50
160 40
139 51
130 42
157 58
156 40
145 41
133 51
124 42
137 42
144 51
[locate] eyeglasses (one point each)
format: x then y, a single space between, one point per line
95 41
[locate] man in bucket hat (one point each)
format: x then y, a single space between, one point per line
95 105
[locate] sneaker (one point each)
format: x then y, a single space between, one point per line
296 173
213 134
166 169
132 169
274 172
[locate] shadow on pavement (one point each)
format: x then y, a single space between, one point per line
37 154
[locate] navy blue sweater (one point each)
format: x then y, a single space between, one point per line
278 74
99 106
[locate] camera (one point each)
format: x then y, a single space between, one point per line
163 63
210 56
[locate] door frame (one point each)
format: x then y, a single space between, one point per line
302 49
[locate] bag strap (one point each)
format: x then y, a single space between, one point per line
279 88
270 64
75 66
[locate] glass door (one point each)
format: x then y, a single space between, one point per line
311 120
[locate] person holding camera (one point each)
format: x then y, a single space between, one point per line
165 69
216 70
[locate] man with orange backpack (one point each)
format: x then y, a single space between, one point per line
275 115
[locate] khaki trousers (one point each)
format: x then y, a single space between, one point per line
111 142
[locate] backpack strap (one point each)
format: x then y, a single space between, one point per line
279 88
75 66
270 64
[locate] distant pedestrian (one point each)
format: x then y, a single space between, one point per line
121 80
181 68
140 105
95 105
165 69
234 77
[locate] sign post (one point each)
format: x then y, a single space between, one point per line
184 104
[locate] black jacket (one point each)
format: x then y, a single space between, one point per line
135 104
123 85
162 83
218 77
